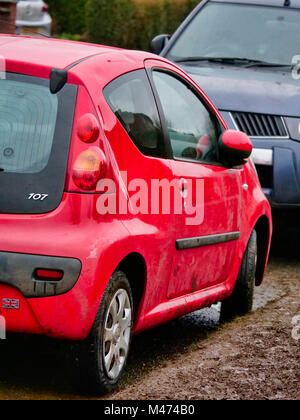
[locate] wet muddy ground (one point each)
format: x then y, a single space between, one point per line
195 357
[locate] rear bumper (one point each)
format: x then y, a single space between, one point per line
45 21
68 316
20 271
44 25
52 308
17 312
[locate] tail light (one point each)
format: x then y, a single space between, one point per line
87 161
88 168
88 128
45 9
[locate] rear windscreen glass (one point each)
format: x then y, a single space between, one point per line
35 131
28 115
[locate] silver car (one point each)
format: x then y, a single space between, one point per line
33 18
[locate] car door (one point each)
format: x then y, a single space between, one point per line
208 228
141 158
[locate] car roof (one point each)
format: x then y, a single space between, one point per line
53 53
279 3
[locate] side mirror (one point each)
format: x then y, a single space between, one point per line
235 147
158 43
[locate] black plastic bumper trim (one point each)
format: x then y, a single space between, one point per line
17 270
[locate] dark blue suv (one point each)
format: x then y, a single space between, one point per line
246 55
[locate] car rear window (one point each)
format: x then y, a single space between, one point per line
35 131
28 115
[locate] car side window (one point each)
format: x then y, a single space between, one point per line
131 99
193 130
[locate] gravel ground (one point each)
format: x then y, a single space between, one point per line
254 357
251 358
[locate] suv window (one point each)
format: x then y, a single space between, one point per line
131 99
192 129
35 132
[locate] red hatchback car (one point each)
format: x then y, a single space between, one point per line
125 202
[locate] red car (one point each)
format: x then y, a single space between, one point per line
125 202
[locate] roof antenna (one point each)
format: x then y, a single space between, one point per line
287 3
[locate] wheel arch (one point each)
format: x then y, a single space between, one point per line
134 266
263 230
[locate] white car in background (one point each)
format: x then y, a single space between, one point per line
33 18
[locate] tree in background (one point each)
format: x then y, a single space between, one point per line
68 15
110 21
133 23
122 23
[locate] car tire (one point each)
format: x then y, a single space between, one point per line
101 358
241 301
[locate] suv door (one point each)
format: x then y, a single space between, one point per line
207 242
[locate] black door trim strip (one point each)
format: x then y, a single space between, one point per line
200 241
